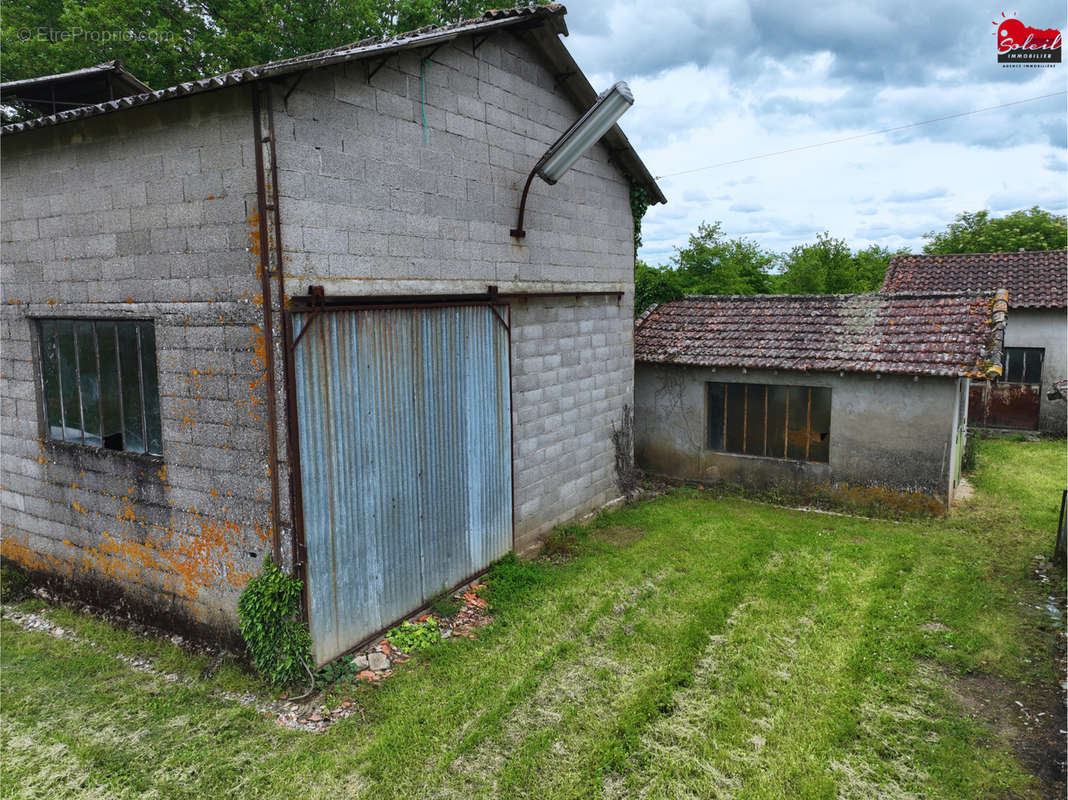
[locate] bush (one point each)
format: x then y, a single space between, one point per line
271 625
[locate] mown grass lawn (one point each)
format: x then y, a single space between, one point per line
694 646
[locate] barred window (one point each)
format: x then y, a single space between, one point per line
99 383
774 421
1023 364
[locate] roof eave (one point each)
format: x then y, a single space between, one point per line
534 16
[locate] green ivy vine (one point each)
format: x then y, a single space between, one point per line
271 625
639 204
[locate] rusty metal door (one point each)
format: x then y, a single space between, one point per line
1004 405
1014 400
405 450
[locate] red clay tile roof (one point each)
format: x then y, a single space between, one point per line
957 335
1037 279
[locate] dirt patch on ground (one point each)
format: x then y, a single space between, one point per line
1029 719
964 492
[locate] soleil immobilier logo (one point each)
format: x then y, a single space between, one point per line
1021 43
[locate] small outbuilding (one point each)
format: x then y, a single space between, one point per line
1036 329
811 391
280 312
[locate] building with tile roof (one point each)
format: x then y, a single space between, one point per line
1036 330
814 390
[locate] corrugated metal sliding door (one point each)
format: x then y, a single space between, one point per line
405 452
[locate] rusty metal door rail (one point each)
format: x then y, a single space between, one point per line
317 309
268 315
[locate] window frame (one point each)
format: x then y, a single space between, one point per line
717 392
75 433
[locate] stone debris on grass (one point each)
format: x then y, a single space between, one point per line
379 660
373 664
284 714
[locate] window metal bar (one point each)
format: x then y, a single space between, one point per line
59 376
745 418
78 380
118 375
99 387
764 442
808 425
786 424
141 391
723 440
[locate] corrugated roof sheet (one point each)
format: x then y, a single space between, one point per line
954 335
570 77
113 67
1035 279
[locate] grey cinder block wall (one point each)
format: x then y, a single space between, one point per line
151 213
141 215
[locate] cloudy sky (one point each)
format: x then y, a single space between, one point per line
726 80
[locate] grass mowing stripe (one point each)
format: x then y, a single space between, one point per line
610 753
713 739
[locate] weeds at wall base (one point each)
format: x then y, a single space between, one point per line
13 583
862 501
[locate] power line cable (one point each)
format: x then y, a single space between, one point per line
858 136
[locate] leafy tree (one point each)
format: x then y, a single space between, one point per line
828 266
165 42
709 264
161 41
1033 229
713 264
870 269
654 285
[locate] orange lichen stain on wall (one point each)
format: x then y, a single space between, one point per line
204 558
263 533
186 560
121 559
254 238
79 507
14 550
259 348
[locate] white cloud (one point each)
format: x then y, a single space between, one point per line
722 82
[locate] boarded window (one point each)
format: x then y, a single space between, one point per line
777 421
1023 364
99 384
